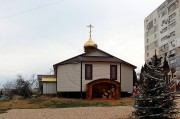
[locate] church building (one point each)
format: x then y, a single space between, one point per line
94 74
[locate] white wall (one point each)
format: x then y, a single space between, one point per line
69 77
100 70
49 88
127 78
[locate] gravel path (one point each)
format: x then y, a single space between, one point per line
119 112
70 113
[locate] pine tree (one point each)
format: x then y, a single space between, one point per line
154 101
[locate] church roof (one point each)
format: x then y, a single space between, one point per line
84 58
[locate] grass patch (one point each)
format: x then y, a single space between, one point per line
55 102
4 100
34 100
75 104
65 103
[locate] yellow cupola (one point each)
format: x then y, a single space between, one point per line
90 45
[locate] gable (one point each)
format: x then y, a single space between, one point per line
96 53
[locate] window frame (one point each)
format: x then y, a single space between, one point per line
91 71
147 40
111 73
147 54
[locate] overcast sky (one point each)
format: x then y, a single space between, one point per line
35 34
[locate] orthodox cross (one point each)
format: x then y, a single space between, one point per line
90 27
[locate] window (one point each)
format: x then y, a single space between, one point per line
147 40
173 6
172 24
88 71
154 21
155 35
162 6
147 54
172 16
173 43
150 25
113 72
172 34
164 13
168 1
164 22
155 28
163 30
164 38
147 47
172 53
165 46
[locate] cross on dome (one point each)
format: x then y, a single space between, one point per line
90 27
90 45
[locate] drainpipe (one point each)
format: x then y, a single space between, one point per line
120 78
55 73
120 73
81 81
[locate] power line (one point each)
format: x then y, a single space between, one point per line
30 10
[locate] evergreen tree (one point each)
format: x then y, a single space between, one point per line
145 66
165 63
134 77
154 101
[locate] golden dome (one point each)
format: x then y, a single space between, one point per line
90 45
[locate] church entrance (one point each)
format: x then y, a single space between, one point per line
103 89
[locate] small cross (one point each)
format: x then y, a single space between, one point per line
90 26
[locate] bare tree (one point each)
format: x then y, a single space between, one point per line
21 86
8 88
25 86
33 83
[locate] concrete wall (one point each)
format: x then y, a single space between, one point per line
161 18
151 34
167 20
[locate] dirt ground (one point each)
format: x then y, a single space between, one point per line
115 112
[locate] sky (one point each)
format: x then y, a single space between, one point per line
36 34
